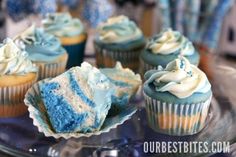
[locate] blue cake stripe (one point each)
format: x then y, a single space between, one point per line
77 90
62 116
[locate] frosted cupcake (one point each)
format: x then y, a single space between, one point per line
77 100
166 47
71 33
125 82
17 74
177 98
44 50
118 39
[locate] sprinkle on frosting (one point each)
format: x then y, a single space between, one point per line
180 78
169 41
14 61
118 29
40 45
63 25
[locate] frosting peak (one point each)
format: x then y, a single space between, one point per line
169 41
62 24
118 29
13 61
40 45
180 78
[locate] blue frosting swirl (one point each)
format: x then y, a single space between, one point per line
41 46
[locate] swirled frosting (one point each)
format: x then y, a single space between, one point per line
118 29
40 45
169 41
180 78
62 25
13 61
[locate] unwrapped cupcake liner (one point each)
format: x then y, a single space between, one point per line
12 99
48 70
108 58
38 113
176 119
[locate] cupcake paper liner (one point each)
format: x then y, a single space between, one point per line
40 118
47 70
108 58
12 99
176 119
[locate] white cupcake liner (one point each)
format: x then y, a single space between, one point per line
12 99
109 57
47 70
39 115
163 117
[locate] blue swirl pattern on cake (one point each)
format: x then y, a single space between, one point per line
77 100
125 81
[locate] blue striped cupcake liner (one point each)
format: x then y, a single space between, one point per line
40 118
176 119
12 99
108 58
48 70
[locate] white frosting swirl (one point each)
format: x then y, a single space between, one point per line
118 29
180 78
62 24
169 41
14 61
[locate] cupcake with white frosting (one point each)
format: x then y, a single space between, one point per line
17 74
166 47
177 98
118 39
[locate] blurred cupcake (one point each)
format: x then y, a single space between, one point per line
44 50
177 98
166 47
119 39
72 34
17 74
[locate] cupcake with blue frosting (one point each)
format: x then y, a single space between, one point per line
44 50
166 47
71 33
17 75
77 100
177 98
118 39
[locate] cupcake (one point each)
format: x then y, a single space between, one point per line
71 33
44 50
125 82
118 39
77 100
177 98
17 74
166 47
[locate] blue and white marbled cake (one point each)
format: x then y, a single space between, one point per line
77 100
125 82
